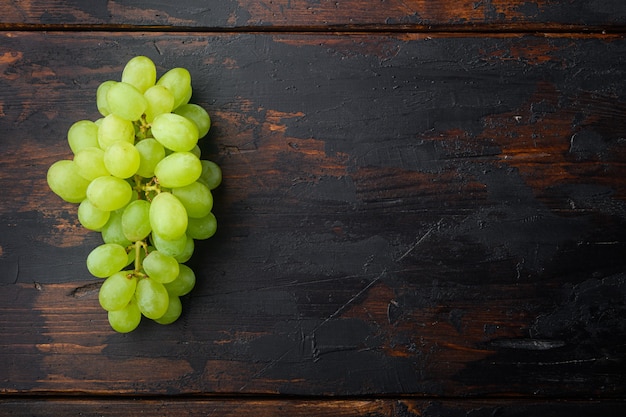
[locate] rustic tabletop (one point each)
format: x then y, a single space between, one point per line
422 213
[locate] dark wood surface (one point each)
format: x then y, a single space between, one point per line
253 15
423 210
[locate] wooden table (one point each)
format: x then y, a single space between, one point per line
423 210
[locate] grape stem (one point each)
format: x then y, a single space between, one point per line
143 127
144 189
151 186
139 245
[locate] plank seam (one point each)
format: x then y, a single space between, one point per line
485 29
82 396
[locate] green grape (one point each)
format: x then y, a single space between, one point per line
160 267
114 128
196 151
109 193
126 319
91 217
140 72
112 232
168 217
186 97
175 132
152 298
106 259
178 81
101 97
117 290
196 198
160 100
178 169
196 114
82 134
187 251
150 154
90 163
172 248
126 101
184 282
65 181
202 228
211 175
136 220
173 312
122 159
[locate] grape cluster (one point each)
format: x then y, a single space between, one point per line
137 176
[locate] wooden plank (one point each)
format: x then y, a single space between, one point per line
297 408
519 14
403 214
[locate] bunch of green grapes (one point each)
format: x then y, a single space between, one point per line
137 176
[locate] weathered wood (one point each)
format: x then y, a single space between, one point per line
519 15
399 215
189 407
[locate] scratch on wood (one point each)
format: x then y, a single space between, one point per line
17 270
419 241
566 362
528 344
157 48
266 367
347 303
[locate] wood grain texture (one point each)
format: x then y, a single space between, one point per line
400 214
298 408
423 14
